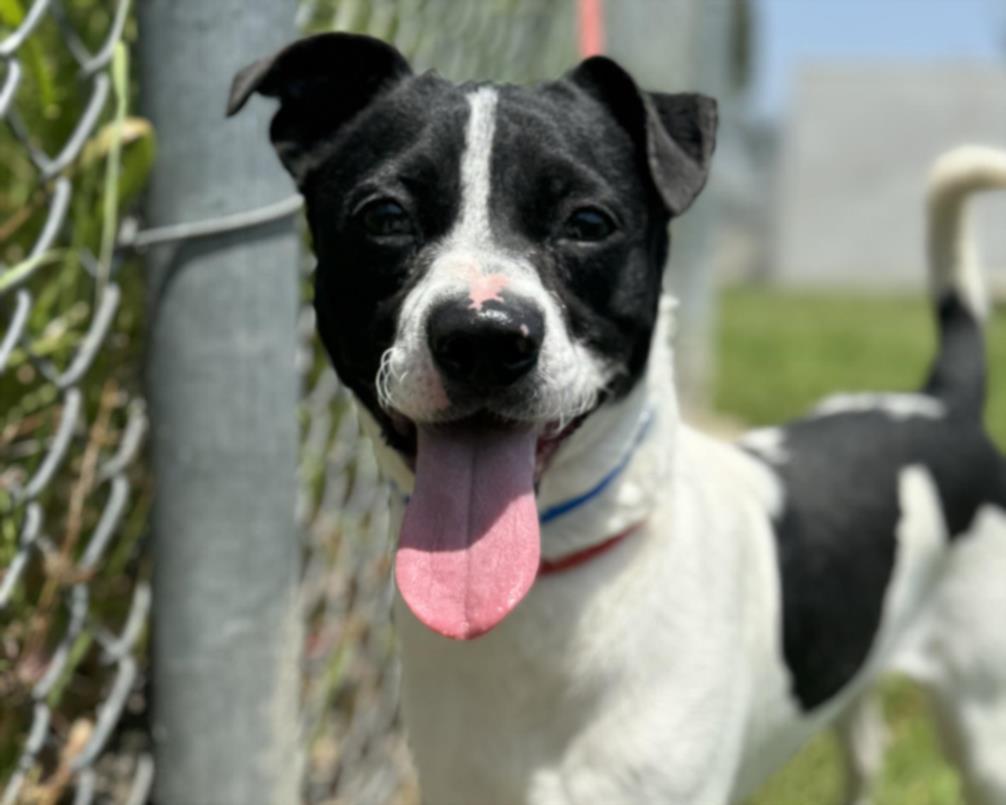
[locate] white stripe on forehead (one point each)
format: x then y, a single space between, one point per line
472 228
469 268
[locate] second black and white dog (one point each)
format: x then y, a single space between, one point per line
661 618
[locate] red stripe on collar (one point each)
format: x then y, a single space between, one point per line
568 562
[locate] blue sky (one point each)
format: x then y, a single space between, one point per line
790 32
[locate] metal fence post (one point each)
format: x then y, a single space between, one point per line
223 392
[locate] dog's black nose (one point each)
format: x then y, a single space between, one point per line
490 347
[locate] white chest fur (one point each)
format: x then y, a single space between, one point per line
615 682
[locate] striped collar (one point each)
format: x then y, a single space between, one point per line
564 507
550 567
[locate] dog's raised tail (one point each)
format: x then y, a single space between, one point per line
958 372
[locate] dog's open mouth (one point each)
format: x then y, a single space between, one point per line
469 548
549 438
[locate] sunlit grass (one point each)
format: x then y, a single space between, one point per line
779 353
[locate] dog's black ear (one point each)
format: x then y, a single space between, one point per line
321 82
677 132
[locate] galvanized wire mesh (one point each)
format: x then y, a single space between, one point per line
356 752
72 608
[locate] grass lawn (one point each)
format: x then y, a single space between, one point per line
778 353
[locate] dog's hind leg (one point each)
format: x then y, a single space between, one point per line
973 734
961 658
862 739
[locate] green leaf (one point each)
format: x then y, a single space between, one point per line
11 13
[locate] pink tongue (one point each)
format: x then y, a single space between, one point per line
469 548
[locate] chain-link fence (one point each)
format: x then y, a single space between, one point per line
74 492
72 505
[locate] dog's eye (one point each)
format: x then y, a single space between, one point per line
385 218
588 224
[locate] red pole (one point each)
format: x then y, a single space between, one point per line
590 19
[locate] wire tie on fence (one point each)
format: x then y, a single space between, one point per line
131 237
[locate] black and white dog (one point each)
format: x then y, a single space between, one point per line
661 618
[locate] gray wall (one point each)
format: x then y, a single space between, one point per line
855 155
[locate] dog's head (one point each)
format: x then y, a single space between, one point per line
489 268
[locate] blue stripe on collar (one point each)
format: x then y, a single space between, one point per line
566 506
